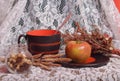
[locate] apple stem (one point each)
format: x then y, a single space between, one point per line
78 42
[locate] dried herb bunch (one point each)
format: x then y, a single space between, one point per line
101 43
45 61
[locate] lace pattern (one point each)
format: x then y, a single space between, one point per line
49 14
109 72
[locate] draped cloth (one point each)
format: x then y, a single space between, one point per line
11 11
50 13
108 13
113 16
109 72
45 14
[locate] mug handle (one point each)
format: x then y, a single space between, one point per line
22 35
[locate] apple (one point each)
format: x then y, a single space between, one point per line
78 51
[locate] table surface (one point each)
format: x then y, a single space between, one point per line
109 72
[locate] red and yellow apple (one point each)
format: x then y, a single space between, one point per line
78 51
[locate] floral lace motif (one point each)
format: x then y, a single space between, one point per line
108 72
49 14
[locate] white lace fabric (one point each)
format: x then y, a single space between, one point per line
43 14
109 72
113 16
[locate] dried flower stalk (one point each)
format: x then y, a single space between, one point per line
101 43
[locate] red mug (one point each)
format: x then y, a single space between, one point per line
42 41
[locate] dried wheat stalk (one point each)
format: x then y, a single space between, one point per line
46 61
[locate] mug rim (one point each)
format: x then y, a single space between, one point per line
43 32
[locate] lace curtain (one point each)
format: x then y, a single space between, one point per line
112 16
102 13
11 12
21 16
